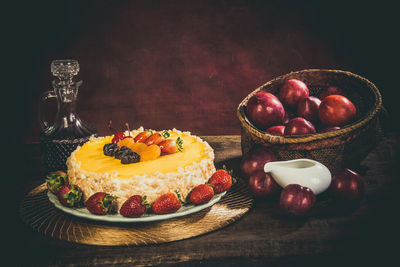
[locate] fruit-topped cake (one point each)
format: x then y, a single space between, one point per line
141 162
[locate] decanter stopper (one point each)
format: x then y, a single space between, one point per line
65 69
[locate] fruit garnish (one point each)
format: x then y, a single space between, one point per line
101 203
138 147
170 146
55 180
221 181
142 136
134 207
127 141
126 155
230 172
130 157
117 135
70 196
150 153
112 130
201 194
165 134
129 131
110 149
154 139
179 143
123 150
167 203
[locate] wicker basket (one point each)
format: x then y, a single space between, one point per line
345 147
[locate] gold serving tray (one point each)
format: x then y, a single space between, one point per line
40 214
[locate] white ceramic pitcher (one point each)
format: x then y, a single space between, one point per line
305 172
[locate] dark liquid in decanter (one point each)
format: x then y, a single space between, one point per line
55 150
59 140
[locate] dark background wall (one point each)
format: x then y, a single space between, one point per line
187 64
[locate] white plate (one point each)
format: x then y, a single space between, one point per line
84 213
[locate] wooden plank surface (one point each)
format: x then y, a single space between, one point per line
332 234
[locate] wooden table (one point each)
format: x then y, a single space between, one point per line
331 235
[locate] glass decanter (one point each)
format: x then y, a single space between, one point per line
68 131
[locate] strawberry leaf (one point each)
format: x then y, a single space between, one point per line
179 143
145 203
55 180
165 134
106 202
178 194
210 185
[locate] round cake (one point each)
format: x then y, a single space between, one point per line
93 171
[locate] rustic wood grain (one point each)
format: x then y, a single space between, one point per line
331 235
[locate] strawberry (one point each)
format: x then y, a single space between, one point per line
170 146
201 194
141 137
55 180
156 138
70 195
134 207
220 181
100 203
167 203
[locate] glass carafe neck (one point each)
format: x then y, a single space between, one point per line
66 92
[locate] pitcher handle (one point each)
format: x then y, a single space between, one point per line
44 97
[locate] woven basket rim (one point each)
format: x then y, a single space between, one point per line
275 139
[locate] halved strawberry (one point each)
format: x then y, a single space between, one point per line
134 207
142 136
221 181
167 203
70 196
101 203
156 138
201 194
55 180
170 146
